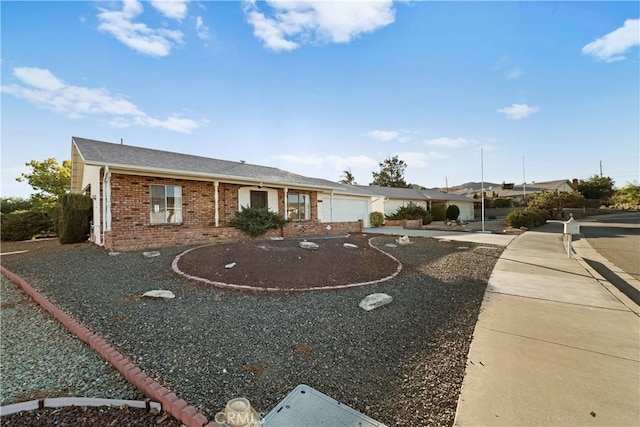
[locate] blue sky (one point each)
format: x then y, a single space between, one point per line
320 87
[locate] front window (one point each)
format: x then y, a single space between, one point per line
298 206
259 199
166 204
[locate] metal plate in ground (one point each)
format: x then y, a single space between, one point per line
307 407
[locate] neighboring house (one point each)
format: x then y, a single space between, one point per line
388 199
515 192
145 198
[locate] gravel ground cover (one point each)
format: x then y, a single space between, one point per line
402 364
41 359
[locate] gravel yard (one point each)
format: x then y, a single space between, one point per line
402 364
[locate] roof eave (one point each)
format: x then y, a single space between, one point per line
212 176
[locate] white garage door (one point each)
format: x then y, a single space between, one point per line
345 209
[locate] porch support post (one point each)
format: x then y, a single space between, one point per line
331 207
216 212
286 204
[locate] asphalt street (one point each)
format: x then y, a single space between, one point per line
617 238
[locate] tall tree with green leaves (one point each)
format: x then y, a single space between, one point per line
628 197
50 179
597 187
391 173
348 178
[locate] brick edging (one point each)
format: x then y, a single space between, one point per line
171 403
224 285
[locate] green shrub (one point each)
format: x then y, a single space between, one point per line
412 212
256 221
73 218
453 212
530 218
438 212
500 202
377 219
23 225
12 204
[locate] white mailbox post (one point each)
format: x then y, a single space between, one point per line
571 227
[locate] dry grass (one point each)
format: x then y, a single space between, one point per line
302 349
257 369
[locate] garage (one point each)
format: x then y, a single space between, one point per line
344 208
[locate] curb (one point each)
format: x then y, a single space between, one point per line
582 249
171 403
61 402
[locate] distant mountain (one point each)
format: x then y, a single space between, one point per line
472 185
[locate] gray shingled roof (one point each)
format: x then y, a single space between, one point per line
101 153
412 194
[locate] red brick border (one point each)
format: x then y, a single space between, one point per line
171 403
174 266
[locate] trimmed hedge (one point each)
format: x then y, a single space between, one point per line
256 221
453 212
23 225
72 218
377 219
530 218
438 212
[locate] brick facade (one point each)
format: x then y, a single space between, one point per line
131 227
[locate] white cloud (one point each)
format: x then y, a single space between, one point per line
201 29
612 46
292 23
401 136
518 111
449 142
137 36
384 135
38 78
44 90
174 9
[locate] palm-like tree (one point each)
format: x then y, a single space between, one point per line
347 178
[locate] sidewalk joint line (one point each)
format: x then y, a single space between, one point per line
559 302
562 345
548 268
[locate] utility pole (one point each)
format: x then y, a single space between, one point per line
524 183
600 168
446 183
482 184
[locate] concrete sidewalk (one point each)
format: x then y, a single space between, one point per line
554 345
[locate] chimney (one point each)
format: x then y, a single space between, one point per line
575 183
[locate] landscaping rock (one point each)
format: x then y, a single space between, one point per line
230 265
151 254
349 245
308 245
277 238
374 301
158 293
403 240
